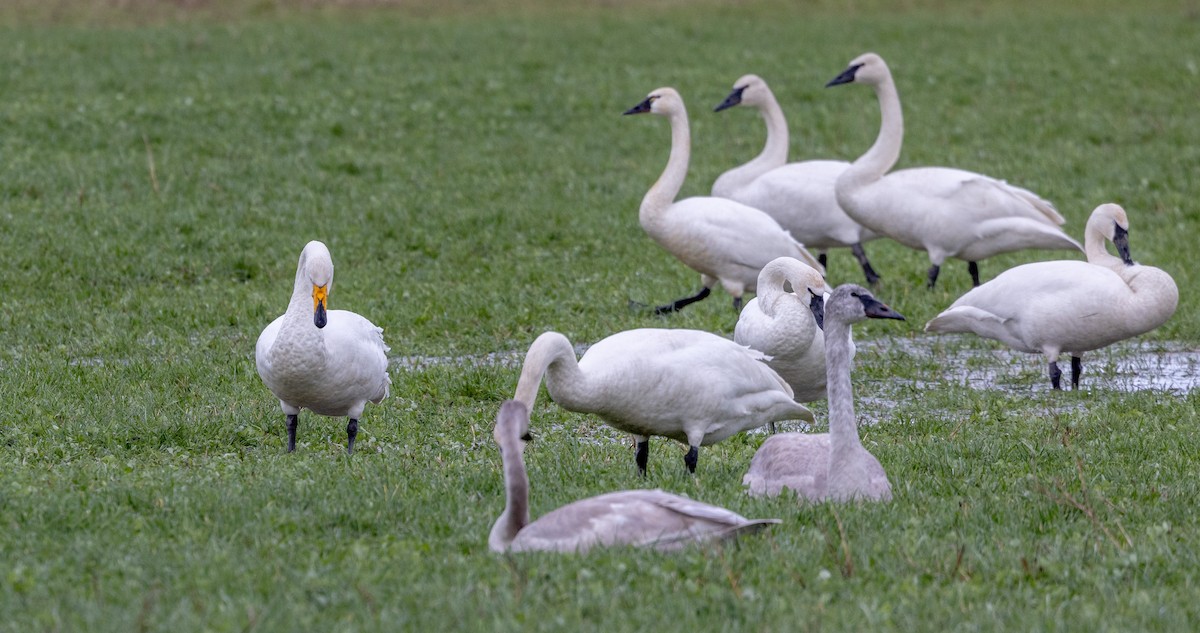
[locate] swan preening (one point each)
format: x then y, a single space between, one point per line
691 386
650 518
725 241
800 196
946 212
786 326
331 362
830 466
1069 306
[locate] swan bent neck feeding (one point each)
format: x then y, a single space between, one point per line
943 211
646 518
691 386
723 240
828 466
331 362
1068 306
800 196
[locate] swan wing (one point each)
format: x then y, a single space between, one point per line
733 233
799 461
973 195
357 355
1002 235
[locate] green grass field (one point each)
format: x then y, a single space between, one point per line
469 169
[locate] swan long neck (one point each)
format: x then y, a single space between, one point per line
551 353
297 329
662 194
843 428
884 153
775 152
1096 250
516 486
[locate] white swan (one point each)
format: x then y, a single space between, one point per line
946 212
828 466
786 326
800 196
723 240
1068 306
691 386
330 362
650 518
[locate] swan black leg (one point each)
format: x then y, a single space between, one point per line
823 259
642 456
1055 376
689 460
771 428
351 433
680 304
973 268
1076 371
292 420
933 275
861 256
737 305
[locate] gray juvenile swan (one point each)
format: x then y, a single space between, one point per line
831 466
721 239
1069 306
688 385
800 196
648 518
946 212
331 362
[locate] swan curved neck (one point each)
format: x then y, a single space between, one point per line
516 507
775 152
843 428
884 153
662 194
1096 251
551 353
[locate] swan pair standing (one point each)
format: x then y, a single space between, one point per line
331 362
723 240
828 466
946 212
1069 306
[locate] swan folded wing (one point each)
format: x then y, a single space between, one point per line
360 353
748 236
999 197
799 461
1003 235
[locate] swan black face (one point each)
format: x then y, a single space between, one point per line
642 107
320 298
1121 241
846 77
817 306
876 309
733 99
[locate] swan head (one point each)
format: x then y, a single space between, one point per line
851 303
748 90
664 101
315 274
867 68
1111 221
512 426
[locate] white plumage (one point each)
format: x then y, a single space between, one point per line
691 386
725 241
800 196
644 518
946 212
832 466
1068 306
331 362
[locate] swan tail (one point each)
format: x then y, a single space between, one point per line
1045 207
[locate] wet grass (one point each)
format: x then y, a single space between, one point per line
477 185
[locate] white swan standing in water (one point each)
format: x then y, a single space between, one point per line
946 212
831 466
331 362
1069 306
688 385
723 240
647 518
786 326
800 196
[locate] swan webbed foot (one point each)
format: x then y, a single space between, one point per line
680 304
642 456
689 460
1076 371
933 275
1055 376
351 433
292 421
861 256
973 268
